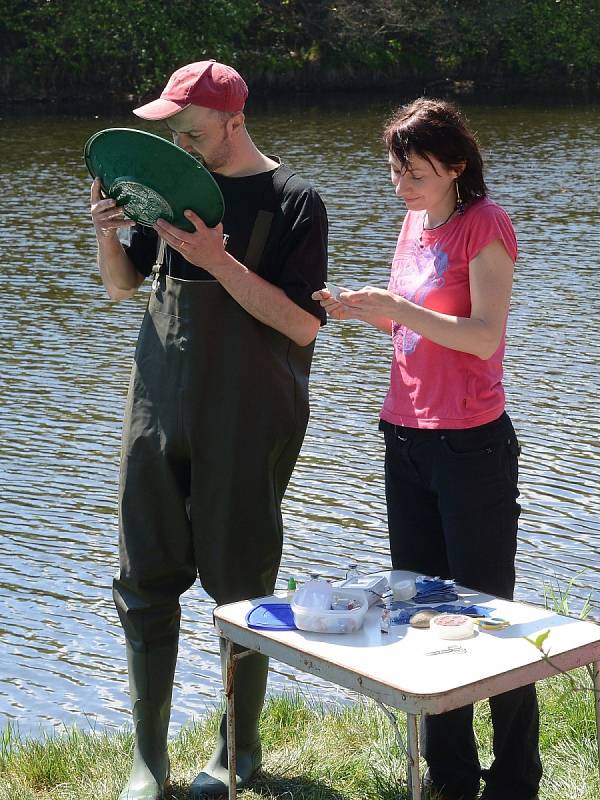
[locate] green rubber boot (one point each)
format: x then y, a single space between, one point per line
250 686
150 686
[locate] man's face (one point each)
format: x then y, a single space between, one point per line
205 133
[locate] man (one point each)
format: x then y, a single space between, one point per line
217 405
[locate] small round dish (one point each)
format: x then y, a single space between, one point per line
452 626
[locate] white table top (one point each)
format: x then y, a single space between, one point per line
394 668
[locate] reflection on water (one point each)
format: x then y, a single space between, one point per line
66 354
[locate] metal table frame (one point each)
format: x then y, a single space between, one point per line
302 653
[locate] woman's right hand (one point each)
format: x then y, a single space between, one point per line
106 215
333 307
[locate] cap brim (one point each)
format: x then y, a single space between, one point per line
159 109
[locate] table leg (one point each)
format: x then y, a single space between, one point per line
230 665
596 673
412 740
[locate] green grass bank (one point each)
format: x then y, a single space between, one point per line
311 753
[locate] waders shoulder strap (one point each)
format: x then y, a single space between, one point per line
264 220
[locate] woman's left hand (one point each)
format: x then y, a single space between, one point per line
370 302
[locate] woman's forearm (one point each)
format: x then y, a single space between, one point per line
466 334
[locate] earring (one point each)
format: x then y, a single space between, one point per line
460 206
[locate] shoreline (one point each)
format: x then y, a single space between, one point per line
321 88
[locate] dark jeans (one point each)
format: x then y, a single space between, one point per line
453 512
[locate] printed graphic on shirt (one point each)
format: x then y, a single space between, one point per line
416 271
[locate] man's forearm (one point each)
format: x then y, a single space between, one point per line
119 276
266 302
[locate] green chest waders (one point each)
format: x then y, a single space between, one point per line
216 413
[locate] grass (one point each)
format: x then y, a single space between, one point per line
311 753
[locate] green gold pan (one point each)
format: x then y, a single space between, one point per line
151 177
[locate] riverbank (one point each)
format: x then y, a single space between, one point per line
325 87
311 753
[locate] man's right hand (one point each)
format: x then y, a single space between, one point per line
106 215
117 271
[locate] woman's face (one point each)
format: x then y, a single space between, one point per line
423 185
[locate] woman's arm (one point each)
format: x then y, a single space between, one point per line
490 277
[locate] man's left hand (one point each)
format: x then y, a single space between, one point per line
204 247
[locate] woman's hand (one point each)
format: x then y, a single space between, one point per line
356 305
370 303
333 307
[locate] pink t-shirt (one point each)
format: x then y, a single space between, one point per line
433 386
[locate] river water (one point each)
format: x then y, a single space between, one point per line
66 353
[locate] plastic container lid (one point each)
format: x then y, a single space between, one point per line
271 617
151 177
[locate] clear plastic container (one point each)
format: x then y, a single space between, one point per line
316 593
403 588
329 620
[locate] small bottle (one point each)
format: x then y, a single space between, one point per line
352 572
291 588
386 619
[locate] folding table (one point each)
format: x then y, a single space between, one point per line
394 668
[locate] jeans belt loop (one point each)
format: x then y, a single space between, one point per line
397 434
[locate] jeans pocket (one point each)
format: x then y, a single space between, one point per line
468 447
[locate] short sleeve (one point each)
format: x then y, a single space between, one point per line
490 222
304 264
142 248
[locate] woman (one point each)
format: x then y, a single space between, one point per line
451 451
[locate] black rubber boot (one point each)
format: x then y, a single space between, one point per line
150 686
429 792
249 693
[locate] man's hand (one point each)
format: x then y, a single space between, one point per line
204 247
106 215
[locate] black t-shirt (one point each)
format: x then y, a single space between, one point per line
295 253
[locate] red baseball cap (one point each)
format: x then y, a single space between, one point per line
203 83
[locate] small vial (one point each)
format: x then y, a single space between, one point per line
352 571
124 235
386 619
291 588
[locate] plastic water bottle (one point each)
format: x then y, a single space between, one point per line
315 594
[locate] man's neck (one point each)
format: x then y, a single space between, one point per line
247 160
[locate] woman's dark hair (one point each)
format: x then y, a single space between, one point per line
437 128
